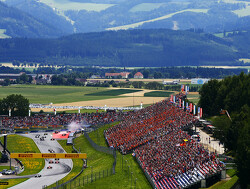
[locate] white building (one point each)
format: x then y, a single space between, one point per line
199 80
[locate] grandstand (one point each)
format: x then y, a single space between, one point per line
165 152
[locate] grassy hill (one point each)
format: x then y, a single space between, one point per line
21 24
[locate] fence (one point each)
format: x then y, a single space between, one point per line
103 149
146 174
81 181
84 180
17 160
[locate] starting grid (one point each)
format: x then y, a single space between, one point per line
41 106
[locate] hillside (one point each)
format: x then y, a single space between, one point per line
141 48
16 23
77 16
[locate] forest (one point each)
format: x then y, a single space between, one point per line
233 129
131 48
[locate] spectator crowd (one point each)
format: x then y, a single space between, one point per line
60 119
166 153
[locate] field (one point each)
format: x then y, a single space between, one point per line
64 5
116 92
193 97
55 94
158 94
25 144
146 7
135 25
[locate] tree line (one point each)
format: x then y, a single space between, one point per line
229 101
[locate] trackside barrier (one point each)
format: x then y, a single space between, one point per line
81 181
84 180
146 174
17 160
41 106
103 149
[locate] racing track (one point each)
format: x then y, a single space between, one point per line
48 176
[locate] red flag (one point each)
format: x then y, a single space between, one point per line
200 112
191 107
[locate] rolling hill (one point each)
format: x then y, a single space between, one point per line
134 48
16 23
77 16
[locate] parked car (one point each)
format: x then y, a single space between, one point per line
3 171
38 175
49 167
56 162
9 172
52 139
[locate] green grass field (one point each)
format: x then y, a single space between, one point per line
115 92
97 162
46 94
32 166
158 94
194 98
122 178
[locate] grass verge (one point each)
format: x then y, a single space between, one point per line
21 144
128 173
98 161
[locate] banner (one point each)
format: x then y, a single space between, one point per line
49 155
191 107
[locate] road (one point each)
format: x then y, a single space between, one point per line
48 176
213 145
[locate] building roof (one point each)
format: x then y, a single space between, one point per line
138 74
116 74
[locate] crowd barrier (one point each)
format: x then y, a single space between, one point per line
40 106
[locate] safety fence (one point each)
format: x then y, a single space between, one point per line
78 180
17 160
146 174
41 106
84 180
103 149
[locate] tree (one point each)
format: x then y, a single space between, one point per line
6 82
208 94
18 105
24 78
